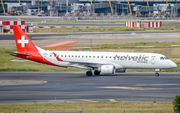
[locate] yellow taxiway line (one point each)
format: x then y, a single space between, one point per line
133 88
45 81
87 100
112 100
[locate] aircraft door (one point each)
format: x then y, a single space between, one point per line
44 57
153 59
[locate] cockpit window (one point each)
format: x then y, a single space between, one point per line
164 58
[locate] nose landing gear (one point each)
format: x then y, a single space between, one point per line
157 74
157 70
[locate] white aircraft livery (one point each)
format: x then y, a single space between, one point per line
100 62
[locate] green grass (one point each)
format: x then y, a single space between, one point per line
172 53
101 29
94 107
115 46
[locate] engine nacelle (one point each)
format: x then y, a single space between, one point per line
107 69
120 70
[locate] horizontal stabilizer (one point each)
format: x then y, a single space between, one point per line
15 53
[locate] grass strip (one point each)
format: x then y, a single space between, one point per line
115 46
94 107
66 29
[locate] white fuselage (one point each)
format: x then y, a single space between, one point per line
118 59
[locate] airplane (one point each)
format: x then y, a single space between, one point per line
100 62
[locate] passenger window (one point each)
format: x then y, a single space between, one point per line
93 56
89 56
82 56
86 56
72 55
106 57
79 56
65 55
97 56
101 56
51 55
69 56
61 55
110 57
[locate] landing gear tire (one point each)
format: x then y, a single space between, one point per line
157 74
89 73
157 70
97 73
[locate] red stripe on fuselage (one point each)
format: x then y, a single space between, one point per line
57 57
38 58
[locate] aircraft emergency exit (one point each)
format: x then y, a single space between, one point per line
100 62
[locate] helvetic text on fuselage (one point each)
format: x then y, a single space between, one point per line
139 59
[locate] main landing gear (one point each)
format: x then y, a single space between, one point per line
96 73
89 73
157 74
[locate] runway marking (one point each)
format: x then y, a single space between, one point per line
21 82
45 81
133 88
112 100
87 100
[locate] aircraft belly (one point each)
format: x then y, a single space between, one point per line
136 65
126 64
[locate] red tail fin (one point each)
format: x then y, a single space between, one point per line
23 43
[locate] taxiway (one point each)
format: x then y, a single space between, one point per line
34 35
75 87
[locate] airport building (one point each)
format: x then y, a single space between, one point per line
91 7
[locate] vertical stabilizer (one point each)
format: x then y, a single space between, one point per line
23 43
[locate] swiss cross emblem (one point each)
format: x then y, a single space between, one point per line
23 41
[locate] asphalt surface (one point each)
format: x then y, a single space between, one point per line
11 36
73 87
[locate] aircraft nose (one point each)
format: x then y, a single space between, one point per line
173 65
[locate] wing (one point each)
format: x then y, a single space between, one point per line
86 65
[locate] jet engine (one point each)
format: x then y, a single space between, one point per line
107 69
